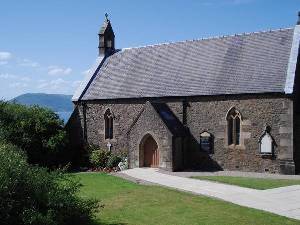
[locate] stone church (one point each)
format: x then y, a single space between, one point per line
220 103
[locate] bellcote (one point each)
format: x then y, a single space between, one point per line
106 38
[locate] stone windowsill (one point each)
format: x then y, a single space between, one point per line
267 155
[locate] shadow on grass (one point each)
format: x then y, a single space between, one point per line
102 223
112 223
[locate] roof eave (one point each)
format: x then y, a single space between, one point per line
148 98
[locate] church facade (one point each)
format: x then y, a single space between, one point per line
222 103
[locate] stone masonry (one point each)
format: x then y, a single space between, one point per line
133 119
149 123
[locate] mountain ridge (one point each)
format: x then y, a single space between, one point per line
55 102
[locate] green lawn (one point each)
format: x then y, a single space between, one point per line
130 203
249 182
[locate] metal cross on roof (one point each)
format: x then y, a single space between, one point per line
106 16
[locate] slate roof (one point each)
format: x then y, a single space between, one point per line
238 64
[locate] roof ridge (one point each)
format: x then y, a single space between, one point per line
208 38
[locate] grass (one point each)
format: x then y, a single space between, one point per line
129 203
249 182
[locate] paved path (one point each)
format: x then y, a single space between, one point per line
283 201
232 174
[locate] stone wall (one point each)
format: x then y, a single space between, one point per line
205 114
75 130
74 127
149 123
123 114
210 115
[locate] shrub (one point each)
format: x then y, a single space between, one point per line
104 159
113 161
31 195
99 158
37 131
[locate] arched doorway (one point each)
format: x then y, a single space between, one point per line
150 152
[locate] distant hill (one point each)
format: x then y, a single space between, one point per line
56 102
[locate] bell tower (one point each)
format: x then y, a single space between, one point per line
106 38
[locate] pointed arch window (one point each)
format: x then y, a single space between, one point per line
109 124
234 127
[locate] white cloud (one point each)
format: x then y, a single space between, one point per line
55 70
26 79
54 84
18 85
4 56
3 63
7 76
76 83
86 72
13 79
29 63
58 82
43 85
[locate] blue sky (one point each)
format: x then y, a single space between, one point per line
46 46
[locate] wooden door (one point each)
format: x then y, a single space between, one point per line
151 153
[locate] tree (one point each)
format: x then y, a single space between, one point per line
37 131
30 195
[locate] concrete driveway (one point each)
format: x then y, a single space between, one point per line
283 201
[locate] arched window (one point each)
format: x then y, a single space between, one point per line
234 127
109 124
